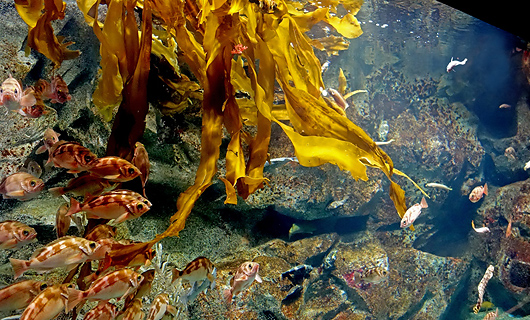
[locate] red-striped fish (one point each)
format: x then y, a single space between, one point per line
141 161
19 295
13 98
71 156
120 205
241 281
103 311
49 138
48 304
117 284
63 252
133 311
115 169
160 306
199 269
85 185
14 234
21 186
62 222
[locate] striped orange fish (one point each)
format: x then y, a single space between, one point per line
14 234
71 156
120 205
103 311
160 306
115 169
20 294
64 252
48 304
117 284
133 311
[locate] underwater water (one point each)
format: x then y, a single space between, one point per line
313 243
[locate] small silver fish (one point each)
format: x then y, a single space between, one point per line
438 185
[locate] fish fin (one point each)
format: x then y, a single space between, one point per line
423 203
74 298
57 191
211 278
412 228
14 194
485 189
75 207
122 218
258 278
171 309
176 274
19 266
9 244
73 171
111 176
28 100
41 149
228 296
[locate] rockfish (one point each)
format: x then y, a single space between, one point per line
49 138
413 213
12 96
20 294
63 252
455 63
48 304
117 284
101 231
199 269
160 306
56 90
34 111
14 234
133 311
103 311
244 277
62 222
21 186
114 169
85 185
478 193
141 161
71 156
120 205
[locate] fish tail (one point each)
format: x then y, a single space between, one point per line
176 274
41 149
56 192
485 189
423 203
74 298
228 296
19 266
75 207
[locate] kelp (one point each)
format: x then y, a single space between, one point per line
277 51
38 15
203 34
129 123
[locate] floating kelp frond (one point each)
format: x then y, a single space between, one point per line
129 123
41 36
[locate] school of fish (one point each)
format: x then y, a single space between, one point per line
98 181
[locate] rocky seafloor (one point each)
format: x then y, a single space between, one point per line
447 128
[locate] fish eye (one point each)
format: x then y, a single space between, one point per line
43 286
139 206
33 183
88 158
16 91
139 279
25 232
92 245
131 171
